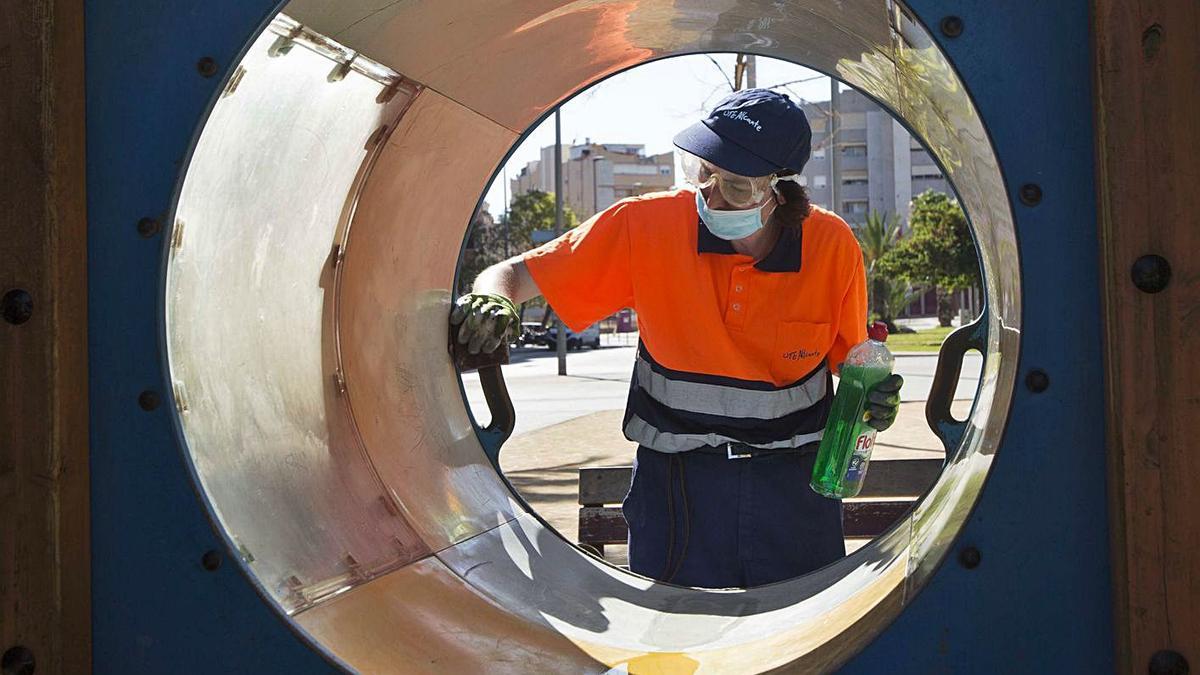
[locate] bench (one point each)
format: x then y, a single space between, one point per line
889 492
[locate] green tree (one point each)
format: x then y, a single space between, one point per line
489 242
878 235
937 252
532 211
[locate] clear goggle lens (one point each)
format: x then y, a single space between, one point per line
741 192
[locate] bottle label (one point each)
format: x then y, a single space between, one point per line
862 453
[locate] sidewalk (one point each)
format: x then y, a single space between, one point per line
543 464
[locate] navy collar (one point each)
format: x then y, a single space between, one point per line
784 257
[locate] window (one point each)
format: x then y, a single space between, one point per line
854 208
854 178
854 150
924 173
819 153
819 181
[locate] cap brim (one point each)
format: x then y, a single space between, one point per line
704 143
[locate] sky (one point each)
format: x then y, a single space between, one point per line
650 103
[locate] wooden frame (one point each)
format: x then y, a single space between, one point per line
1148 160
45 604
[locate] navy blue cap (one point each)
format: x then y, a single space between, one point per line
753 132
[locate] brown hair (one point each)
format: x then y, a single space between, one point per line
792 214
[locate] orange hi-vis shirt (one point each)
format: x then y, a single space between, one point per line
732 350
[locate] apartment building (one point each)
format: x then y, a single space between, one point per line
595 175
881 166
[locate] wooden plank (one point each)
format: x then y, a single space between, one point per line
871 519
600 525
1148 163
599 485
897 478
44 547
886 479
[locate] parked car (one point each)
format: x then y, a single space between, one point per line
532 333
589 337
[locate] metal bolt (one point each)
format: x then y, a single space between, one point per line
1169 662
18 660
149 400
17 306
1037 381
211 561
969 557
952 26
206 66
1031 194
148 227
1151 273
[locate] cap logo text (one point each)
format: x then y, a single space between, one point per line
741 116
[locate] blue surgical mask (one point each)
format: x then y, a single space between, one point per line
729 225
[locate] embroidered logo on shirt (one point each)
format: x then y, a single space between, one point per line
797 354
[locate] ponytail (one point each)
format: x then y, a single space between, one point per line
791 214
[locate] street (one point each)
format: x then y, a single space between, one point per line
599 380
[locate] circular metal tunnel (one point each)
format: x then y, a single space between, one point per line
316 238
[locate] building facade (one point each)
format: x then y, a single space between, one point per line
595 175
880 166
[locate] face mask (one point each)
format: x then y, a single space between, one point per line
729 225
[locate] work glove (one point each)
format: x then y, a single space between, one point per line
883 401
484 321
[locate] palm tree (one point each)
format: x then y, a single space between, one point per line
879 234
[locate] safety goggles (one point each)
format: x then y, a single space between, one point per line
740 192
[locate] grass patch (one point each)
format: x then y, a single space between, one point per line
928 340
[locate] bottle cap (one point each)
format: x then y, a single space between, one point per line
878 331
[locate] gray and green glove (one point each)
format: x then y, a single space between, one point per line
883 401
484 321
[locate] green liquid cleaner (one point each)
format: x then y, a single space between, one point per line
848 441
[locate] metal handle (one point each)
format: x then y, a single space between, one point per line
504 417
945 381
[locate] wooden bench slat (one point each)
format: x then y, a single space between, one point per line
871 519
600 485
602 525
886 479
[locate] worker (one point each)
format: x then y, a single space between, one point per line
748 298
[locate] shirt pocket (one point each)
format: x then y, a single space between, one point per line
800 347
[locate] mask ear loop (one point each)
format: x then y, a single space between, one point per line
795 178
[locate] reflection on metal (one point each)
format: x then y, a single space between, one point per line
248 297
325 224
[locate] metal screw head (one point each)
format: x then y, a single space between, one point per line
1037 381
148 227
1169 662
17 306
1031 194
952 26
969 557
1151 273
211 560
18 660
149 400
206 66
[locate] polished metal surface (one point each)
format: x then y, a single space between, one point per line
251 350
325 427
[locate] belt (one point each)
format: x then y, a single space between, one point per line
743 451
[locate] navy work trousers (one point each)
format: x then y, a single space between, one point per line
701 519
